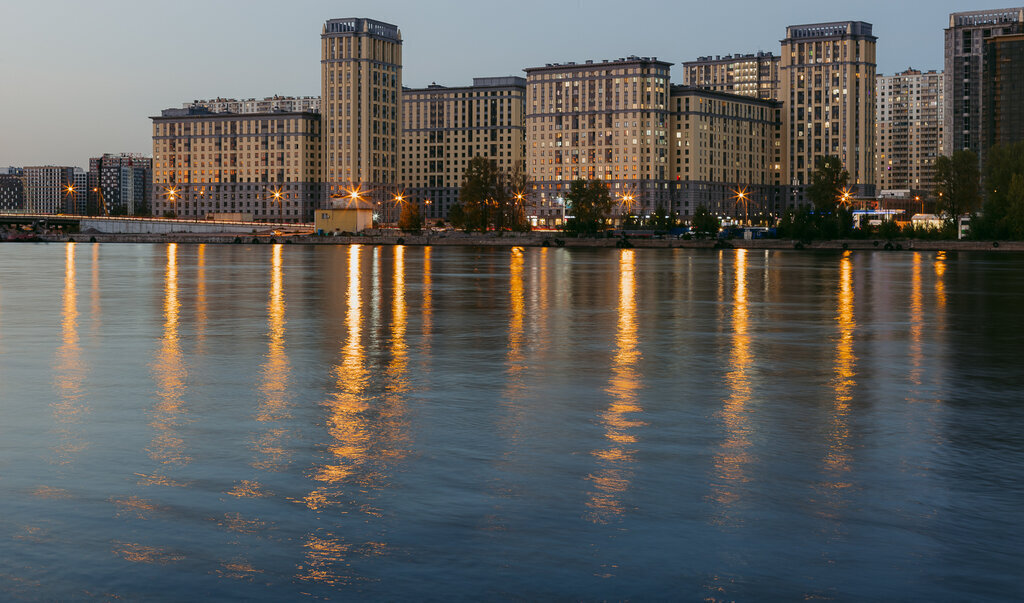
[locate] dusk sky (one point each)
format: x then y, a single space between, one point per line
82 79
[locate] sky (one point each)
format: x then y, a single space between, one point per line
80 79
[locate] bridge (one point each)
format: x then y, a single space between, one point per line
131 225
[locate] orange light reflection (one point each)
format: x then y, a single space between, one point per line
170 375
620 420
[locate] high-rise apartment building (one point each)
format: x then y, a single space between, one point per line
444 128
605 120
270 104
755 75
122 181
828 87
12 189
964 53
263 165
47 189
361 96
909 109
725 153
1003 99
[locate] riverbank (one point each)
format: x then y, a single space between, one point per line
540 239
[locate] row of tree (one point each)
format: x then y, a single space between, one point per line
492 198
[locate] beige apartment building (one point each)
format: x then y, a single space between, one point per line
263 165
755 75
725 153
828 87
909 115
444 128
606 120
361 96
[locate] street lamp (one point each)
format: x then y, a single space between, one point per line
741 196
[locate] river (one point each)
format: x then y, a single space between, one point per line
278 422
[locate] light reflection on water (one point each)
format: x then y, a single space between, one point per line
269 422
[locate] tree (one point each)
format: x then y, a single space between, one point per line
1003 215
409 220
704 222
590 203
828 182
490 196
956 184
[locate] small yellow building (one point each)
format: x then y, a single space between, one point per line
344 217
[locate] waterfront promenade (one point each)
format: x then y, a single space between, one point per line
537 239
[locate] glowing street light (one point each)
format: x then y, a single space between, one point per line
742 196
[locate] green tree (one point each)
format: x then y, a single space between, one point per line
1003 212
828 181
956 185
704 222
409 220
491 197
590 204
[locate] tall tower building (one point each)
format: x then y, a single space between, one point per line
965 49
908 120
1003 106
828 85
361 96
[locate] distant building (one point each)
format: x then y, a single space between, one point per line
266 164
444 128
722 145
606 120
965 82
47 189
1003 107
270 104
78 200
12 189
361 96
124 181
909 115
755 75
828 87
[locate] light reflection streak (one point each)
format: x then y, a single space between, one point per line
733 457
346 426
940 283
392 417
201 312
838 458
274 376
916 322
95 316
620 422
69 369
427 311
516 357
170 375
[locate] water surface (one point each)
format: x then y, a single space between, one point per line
283 422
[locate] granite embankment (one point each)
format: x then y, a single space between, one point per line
541 239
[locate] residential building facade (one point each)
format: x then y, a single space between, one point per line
1003 98
47 189
828 87
964 56
725 154
755 75
122 183
266 165
909 116
270 104
12 189
361 96
606 120
444 128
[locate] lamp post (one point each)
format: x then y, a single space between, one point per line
741 196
